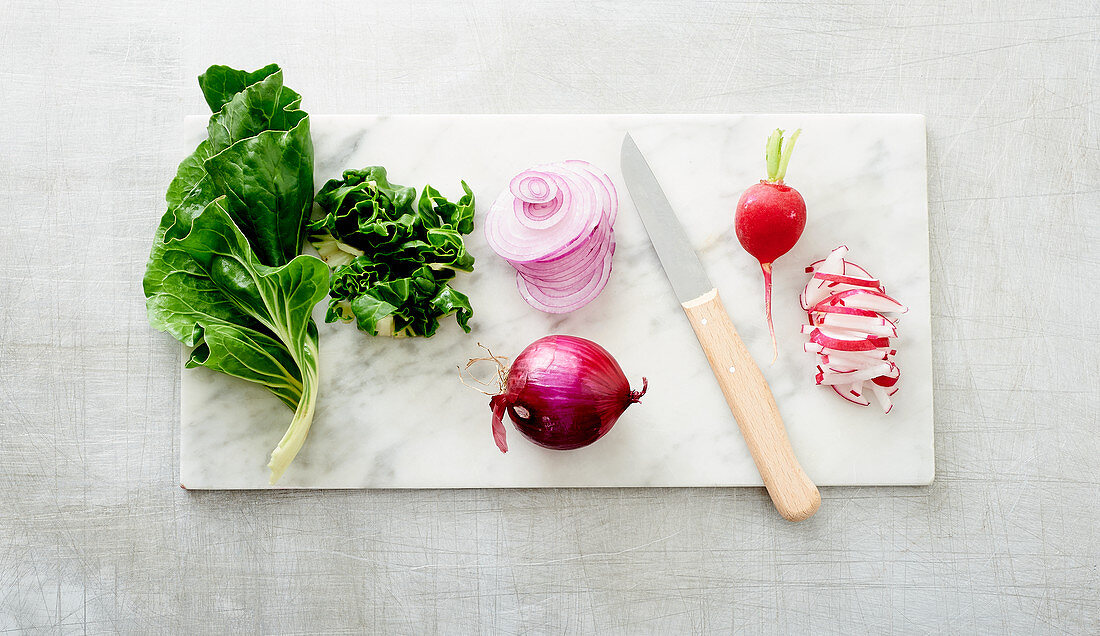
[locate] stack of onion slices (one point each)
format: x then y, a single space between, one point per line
554 226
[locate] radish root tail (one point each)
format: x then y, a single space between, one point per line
767 269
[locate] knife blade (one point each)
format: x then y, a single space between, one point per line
746 391
681 263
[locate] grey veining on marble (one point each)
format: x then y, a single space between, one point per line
393 414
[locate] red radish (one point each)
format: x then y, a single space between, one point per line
770 218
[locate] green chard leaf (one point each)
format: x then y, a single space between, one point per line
245 319
393 261
220 83
438 211
224 275
259 154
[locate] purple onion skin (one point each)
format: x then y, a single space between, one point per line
565 392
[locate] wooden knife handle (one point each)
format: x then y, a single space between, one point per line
750 399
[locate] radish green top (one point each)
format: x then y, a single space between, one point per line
777 156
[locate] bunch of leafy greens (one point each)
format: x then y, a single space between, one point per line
224 275
392 260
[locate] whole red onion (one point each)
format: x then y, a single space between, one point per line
563 392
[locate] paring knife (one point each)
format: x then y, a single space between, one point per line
746 390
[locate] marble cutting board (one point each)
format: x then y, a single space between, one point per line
393 414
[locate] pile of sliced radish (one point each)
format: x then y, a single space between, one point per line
849 330
554 226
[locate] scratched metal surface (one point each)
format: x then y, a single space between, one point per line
95 536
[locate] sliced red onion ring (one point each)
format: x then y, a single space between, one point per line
848 331
538 298
554 225
533 187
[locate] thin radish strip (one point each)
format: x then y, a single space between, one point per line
856 333
840 333
862 375
850 394
837 362
864 299
832 264
853 360
860 324
831 280
841 364
883 397
847 377
847 345
813 347
848 311
890 379
854 322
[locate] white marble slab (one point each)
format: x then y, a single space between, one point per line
392 414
